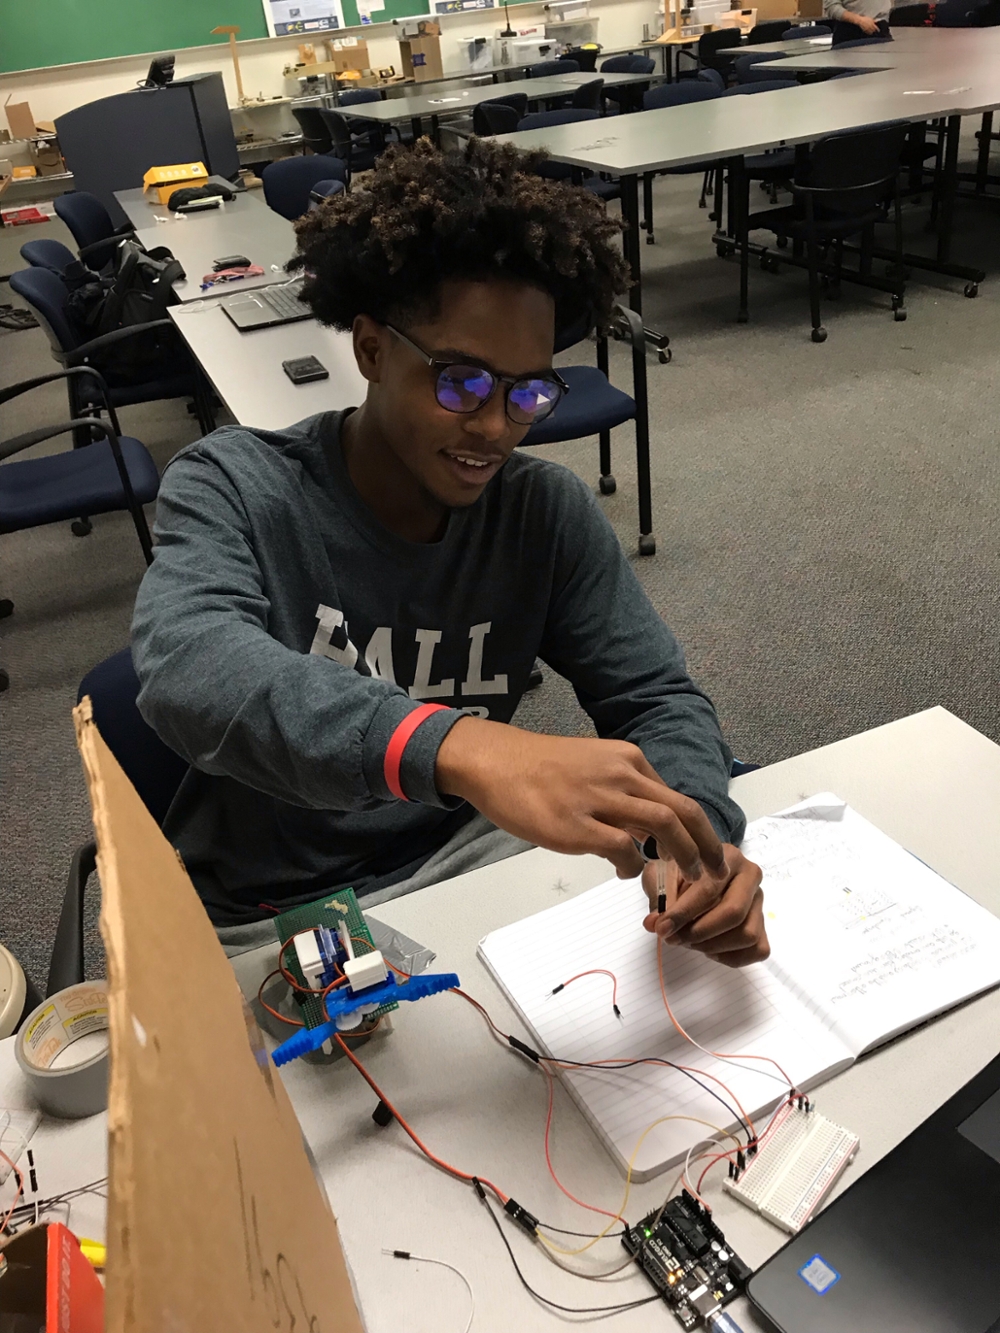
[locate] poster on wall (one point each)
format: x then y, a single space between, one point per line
287 18
460 6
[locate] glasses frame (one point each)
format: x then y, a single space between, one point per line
441 364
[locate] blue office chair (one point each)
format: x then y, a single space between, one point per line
323 190
588 96
593 406
628 98
154 770
91 227
367 137
671 95
562 171
745 67
803 30
110 472
772 30
176 377
501 115
52 255
713 78
289 181
546 68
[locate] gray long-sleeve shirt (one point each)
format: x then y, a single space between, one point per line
282 634
873 9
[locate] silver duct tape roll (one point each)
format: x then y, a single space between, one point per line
56 1053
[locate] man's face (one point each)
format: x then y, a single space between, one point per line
507 328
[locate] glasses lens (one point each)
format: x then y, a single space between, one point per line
532 400
464 388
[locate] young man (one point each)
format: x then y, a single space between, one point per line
857 19
341 617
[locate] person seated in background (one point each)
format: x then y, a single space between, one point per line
341 617
857 19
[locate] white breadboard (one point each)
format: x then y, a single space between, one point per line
798 1164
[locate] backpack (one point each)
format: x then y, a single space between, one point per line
138 292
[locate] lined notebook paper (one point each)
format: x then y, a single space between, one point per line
866 942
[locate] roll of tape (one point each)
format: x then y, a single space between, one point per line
62 1050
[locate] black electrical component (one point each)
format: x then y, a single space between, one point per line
382 1115
687 1259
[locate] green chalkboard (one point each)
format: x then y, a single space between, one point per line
35 34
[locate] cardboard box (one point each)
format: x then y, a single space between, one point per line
214 1213
810 9
47 158
744 19
344 56
20 119
421 58
165 180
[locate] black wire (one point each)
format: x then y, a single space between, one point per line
656 1060
544 1300
586 1235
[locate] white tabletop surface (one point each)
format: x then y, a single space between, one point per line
245 368
929 781
242 226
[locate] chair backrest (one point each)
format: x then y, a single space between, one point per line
314 132
585 57
47 254
324 190
628 65
495 118
289 181
339 131
46 293
853 172
909 16
710 42
518 101
85 216
154 770
862 41
771 31
588 96
761 86
744 67
545 68
679 94
541 120
955 14
355 95
713 78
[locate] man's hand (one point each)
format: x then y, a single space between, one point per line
720 915
867 25
576 795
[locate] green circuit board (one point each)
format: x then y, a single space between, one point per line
330 911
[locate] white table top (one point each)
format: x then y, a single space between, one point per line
922 74
245 368
929 781
453 101
242 226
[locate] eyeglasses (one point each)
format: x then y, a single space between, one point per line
465 388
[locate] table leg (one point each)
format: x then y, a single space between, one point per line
417 126
948 188
630 247
983 164
740 198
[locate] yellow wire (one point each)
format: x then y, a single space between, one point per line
558 1249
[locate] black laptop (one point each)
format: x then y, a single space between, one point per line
911 1247
263 307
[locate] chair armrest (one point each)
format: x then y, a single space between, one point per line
79 354
630 324
66 964
94 246
15 390
19 443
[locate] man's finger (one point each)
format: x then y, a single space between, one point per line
644 818
616 846
731 911
747 925
692 819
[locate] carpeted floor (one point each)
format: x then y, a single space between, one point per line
826 519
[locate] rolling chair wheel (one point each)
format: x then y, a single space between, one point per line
81 527
666 356
899 314
6 608
647 544
723 251
743 317
650 239
819 335
608 485
971 289
4 680
782 242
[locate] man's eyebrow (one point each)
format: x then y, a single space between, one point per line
457 357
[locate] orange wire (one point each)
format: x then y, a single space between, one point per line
719 1055
593 972
20 1188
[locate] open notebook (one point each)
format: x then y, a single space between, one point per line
866 942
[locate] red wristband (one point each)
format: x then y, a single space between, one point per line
398 742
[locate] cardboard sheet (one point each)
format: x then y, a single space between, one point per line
216 1221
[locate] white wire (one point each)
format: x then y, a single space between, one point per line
442 1263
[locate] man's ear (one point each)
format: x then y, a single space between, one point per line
369 346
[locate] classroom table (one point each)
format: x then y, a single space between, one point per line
929 781
245 368
244 225
414 107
